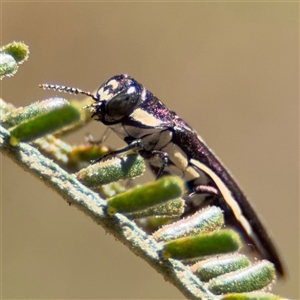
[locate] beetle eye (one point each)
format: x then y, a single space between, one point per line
123 103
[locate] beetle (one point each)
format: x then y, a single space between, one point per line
171 146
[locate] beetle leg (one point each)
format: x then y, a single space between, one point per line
135 146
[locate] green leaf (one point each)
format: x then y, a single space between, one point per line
173 209
8 65
250 279
216 266
251 296
219 242
112 170
18 50
150 194
11 55
46 117
204 221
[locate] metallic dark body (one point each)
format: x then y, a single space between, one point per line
171 146
188 140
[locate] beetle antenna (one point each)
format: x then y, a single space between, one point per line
66 89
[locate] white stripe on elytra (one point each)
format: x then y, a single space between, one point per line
145 118
226 195
143 95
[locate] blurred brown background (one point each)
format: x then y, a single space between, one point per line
229 69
